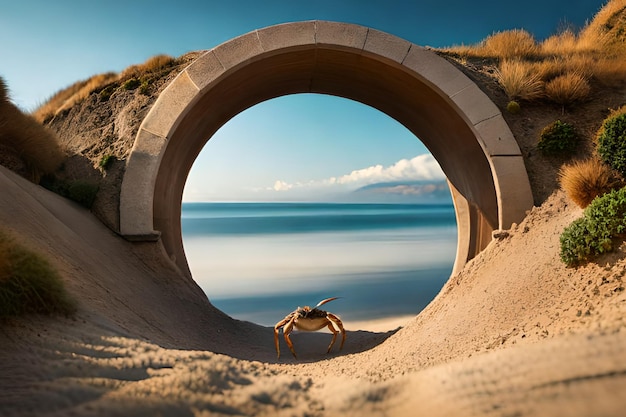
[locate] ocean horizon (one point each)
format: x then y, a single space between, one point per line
259 261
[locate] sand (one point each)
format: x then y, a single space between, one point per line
516 333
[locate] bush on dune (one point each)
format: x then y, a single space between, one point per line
583 181
604 220
28 283
32 142
611 140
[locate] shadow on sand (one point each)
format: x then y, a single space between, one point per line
309 346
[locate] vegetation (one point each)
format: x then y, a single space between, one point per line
560 67
611 144
518 81
568 88
603 221
513 107
20 133
558 138
106 161
67 98
583 181
131 84
105 85
28 283
81 191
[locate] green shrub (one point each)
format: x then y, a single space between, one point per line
131 84
558 138
106 161
612 142
28 283
145 88
106 93
594 234
83 192
513 107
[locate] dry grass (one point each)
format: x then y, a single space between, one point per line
566 62
560 44
72 95
153 64
607 30
583 181
32 142
510 44
568 88
80 90
28 283
518 81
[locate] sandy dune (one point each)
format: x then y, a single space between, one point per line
515 333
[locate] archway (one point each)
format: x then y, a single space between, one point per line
455 120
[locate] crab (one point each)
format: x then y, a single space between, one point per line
310 320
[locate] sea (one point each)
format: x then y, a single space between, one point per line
259 261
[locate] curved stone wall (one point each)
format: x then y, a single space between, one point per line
456 121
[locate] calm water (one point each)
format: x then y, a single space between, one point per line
259 261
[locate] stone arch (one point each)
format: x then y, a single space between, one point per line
455 120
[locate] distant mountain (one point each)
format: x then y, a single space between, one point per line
426 192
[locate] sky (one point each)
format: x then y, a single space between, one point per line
298 147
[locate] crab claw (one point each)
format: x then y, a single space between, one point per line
328 300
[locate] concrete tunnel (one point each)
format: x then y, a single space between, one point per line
456 121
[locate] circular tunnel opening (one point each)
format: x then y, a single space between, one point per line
462 128
310 196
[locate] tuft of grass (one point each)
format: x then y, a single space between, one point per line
568 88
28 283
518 81
38 147
152 64
583 181
561 44
510 44
65 99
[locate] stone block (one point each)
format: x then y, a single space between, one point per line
382 44
496 137
475 104
340 35
205 69
439 73
239 50
515 197
287 35
171 106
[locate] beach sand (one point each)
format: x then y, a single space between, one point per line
515 333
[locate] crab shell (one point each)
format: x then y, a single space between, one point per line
309 319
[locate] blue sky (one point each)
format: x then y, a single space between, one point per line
291 148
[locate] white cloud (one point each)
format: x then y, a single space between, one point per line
421 167
282 186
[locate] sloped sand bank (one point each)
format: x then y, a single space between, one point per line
515 333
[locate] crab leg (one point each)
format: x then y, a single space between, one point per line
332 342
336 320
276 331
286 331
